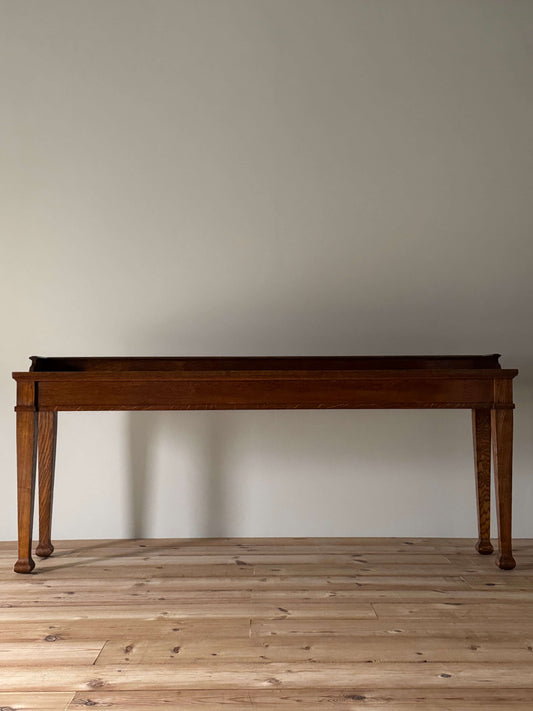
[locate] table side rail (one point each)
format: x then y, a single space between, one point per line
267 393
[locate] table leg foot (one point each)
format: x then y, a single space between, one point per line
24 565
44 550
484 546
506 562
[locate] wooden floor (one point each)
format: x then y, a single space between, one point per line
259 624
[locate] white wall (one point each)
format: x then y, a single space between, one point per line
269 177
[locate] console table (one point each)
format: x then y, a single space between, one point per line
239 383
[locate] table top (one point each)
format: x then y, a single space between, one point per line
238 366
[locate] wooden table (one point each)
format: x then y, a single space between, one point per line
53 384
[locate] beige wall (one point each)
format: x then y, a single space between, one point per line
266 177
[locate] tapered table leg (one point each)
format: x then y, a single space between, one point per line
26 456
46 451
502 440
481 433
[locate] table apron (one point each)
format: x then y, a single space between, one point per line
220 394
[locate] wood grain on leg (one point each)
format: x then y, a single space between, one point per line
481 433
26 456
46 449
502 440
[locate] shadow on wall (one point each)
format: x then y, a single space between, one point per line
297 465
203 431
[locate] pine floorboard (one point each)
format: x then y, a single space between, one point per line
263 624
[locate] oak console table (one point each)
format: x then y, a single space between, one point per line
239 383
